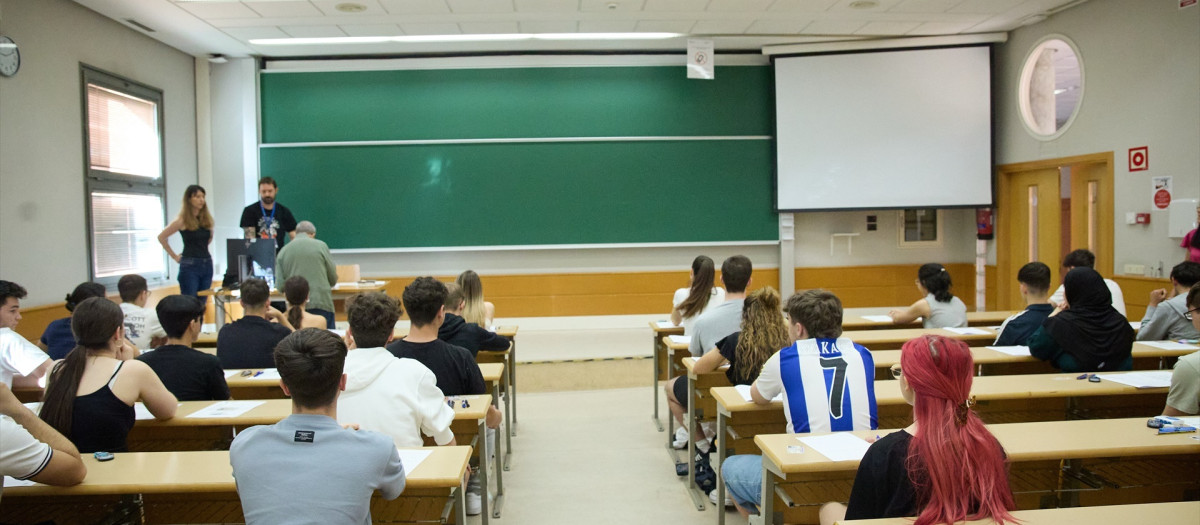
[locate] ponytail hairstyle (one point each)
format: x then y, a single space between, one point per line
472 290
763 333
701 290
295 291
936 281
84 292
957 466
94 322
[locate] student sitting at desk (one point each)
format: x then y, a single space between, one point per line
939 308
726 317
20 362
250 341
456 331
943 468
475 310
396 397
141 324
1184 397
699 297
1167 315
1085 333
812 400
32 450
763 332
295 291
307 468
1086 259
190 374
104 367
57 339
1034 279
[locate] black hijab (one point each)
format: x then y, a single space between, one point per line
1090 329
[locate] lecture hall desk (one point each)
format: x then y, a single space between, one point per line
991 362
999 399
1105 515
198 487
1065 463
221 296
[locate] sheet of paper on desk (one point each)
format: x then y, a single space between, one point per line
744 390
1136 325
665 324
969 331
1170 345
225 409
208 328
339 333
681 339
10 482
141 413
267 374
35 406
839 446
230 373
878 318
1148 379
1011 350
411 457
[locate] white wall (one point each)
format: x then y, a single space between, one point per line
1142 88
234 105
881 246
43 230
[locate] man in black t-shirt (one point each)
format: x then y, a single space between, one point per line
250 341
267 219
190 374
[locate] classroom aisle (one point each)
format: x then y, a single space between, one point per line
594 457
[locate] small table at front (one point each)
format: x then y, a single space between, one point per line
1030 445
340 291
198 487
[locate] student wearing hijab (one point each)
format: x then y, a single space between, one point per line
1085 334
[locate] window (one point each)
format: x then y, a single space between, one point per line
1051 87
124 177
920 227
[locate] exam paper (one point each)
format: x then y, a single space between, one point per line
267 374
208 328
839 446
35 406
225 409
1171 345
1011 350
878 318
1147 379
141 413
1136 325
681 339
744 390
10 482
969 331
412 457
230 373
665 324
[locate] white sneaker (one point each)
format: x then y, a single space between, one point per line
474 504
681 439
712 496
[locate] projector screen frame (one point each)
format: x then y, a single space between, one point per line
991 48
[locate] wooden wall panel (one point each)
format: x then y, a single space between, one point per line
1136 290
882 285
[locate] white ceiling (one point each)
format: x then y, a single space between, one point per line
226 26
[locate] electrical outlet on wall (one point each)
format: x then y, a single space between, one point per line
872 223
1135 269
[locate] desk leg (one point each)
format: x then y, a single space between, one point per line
219 305
512 385
767 503
485 513
499 502
460 504
658 348
697 497
508 434
719 442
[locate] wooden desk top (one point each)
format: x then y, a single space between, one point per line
983 388
893 338
339 290
492 372
1048 440
274 410
209 339
660 331
1104 515
984 356
857 322
210 471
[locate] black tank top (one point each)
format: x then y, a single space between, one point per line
100 421
195 243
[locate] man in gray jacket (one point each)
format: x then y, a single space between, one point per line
1168 318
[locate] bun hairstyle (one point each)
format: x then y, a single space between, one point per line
956 465
703 277
84 292
936 281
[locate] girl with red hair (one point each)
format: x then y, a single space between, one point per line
945 467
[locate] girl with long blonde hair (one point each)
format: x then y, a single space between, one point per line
475 310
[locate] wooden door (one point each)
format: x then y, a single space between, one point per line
1029 228
1092 211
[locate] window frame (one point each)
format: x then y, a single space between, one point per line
900 229
101 181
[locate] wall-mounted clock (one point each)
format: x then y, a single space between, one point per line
10 57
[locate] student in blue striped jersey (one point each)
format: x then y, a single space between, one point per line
827 382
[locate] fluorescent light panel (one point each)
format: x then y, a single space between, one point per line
459 38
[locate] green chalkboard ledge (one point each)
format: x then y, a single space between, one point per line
584 246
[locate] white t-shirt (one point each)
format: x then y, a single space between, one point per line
141 326
717 297
828 385
21 455
18 357
1118 298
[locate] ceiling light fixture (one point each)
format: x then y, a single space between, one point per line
864 4
349 7
459 38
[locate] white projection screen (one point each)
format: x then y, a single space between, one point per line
884 129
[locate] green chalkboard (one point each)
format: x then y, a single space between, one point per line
523 193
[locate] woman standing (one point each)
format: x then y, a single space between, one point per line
194 224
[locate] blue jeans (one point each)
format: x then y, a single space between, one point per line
330 322
195 274
743 479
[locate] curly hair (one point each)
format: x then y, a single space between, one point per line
763 333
